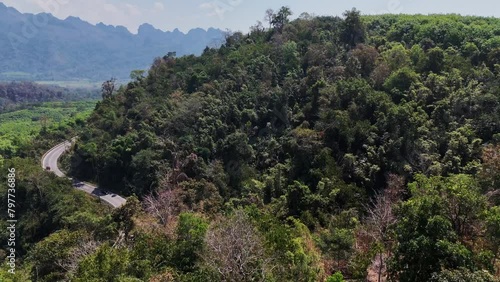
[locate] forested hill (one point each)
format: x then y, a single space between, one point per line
319 149
42 47
16 94
375 95
310 118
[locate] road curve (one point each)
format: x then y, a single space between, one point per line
49 160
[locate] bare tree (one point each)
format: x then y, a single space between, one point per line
235 250
381 217
269 17
85 247
162 206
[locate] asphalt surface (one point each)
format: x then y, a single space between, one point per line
49 160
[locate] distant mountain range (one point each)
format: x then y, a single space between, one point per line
43 47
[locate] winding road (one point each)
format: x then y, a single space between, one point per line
49 160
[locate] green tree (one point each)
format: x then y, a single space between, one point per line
353 29
337 277
436 60
493 230
111 264
281 18
399 83
124 215
137 75
108 88
190 233
53 249
337 241
430 232
463 275
397 57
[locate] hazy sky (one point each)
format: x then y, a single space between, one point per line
233 14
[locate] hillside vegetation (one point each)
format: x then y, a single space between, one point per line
19 128
320 149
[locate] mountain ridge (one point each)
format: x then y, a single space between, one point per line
44 47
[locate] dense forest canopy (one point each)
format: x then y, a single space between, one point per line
318 149
371 95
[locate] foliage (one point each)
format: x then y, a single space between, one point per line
337 277
46 208
434 227
19 128
463 275
358 146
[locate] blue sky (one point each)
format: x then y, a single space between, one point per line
233 14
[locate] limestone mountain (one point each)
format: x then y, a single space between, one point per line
43 47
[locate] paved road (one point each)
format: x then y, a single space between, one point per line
50 160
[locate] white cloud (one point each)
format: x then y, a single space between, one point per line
96 11
215 8
206 5
23 5
220 7
133 10
110 8
158 6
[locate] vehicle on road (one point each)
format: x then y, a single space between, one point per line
55 153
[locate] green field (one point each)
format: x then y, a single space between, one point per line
72 83
20 76
16 74
19 127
